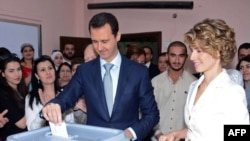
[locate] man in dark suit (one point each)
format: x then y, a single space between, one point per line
152 68
133 91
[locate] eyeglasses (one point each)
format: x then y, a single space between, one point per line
6 56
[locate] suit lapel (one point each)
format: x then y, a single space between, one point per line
98 84
122 81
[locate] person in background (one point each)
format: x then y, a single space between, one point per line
68 52
131 86
80 110
3 119
152 68
171 88
244 67
214 97
44 88
89 53
64 73
243 50
141 59
75 63
57 58
12 94
27 60
162 62
135 53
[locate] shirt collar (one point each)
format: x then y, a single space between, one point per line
116 61
148 64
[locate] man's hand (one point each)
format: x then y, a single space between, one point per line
3 120
52 113
128 134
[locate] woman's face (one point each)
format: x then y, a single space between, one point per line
45 73
74 67
138 58
245 70
141 59
28 53
162 63
58 60
13 73
203 62
65 73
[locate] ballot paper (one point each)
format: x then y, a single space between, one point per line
59 129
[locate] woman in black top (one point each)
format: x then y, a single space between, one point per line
12 93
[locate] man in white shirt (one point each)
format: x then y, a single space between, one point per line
171 88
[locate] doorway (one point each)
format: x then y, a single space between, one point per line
151 39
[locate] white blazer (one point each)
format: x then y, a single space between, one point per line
223 102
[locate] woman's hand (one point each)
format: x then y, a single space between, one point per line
3 120
167 137
81 105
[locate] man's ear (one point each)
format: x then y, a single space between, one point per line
118 36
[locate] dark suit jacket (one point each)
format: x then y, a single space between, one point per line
134 92
153 70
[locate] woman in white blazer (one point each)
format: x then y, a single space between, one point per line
214 100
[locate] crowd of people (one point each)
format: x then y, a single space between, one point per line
148 101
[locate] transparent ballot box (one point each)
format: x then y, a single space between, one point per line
76 132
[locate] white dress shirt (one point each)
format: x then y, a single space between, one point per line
114 72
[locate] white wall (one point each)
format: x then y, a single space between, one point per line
234 12
13 35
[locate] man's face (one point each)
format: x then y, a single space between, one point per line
149 56
104 42
243 52
69 51
89 53
176 57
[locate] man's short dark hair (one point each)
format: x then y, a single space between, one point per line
151 50
244 46
176 43
103 18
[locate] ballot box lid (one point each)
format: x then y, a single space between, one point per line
76 132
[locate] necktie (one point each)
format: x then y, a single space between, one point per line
108 87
